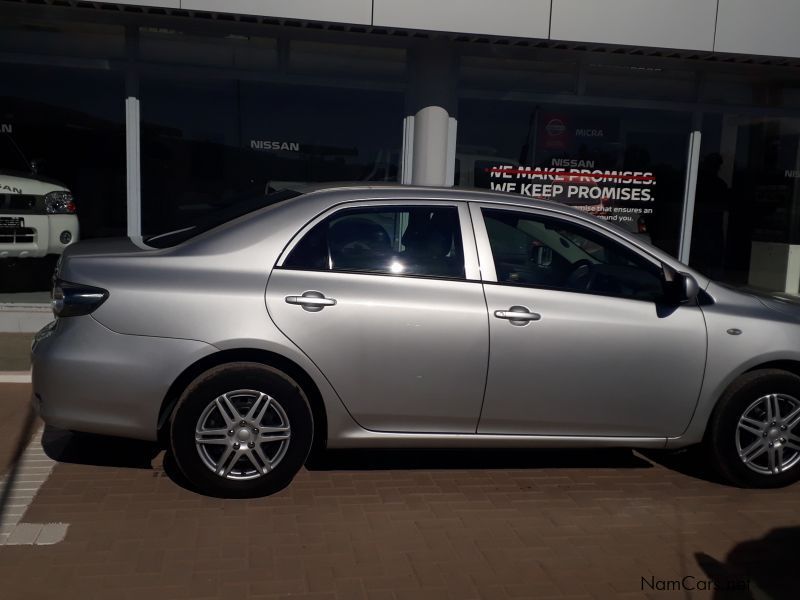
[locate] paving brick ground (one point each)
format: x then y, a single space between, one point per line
403 525
15 350
14 406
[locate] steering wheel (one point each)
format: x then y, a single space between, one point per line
582 275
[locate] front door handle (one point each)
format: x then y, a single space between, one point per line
311 301
518 315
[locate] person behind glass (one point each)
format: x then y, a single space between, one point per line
708 232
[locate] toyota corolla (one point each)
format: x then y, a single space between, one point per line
411 317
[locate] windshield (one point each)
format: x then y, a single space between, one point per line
212 219
11 157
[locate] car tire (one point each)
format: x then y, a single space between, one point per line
241 430
756 426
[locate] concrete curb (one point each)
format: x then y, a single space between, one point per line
24 318
15 376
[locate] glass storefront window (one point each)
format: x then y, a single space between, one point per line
230 117
209 143
510 74
640 79
162 45
61 38
347 62
61 131
627 166
747 211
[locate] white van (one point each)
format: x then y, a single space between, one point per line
37 215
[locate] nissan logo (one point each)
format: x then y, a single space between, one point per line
555 127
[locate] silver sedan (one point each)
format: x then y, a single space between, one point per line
412 317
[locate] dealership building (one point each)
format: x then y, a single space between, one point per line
677 119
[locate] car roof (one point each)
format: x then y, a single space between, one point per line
413 192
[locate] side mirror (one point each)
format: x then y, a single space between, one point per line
689 288
682 288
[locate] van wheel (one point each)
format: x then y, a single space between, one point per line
754 434
241 429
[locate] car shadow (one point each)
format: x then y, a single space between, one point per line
371 459
7 485
98 450
107 451
368 459
687 461
756 569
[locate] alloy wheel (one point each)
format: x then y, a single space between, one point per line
242 434
765 434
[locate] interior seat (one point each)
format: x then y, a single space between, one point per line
359 244
432 244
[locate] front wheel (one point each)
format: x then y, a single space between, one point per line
242 429
754 434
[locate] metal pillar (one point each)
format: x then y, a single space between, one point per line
689 191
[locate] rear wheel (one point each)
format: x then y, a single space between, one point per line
754 435
242 429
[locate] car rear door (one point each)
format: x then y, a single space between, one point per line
581 341
386 299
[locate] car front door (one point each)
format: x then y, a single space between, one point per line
385 298
582 341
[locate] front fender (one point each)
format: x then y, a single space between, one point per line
766 337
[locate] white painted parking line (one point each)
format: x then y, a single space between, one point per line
52 533
34 469
15 376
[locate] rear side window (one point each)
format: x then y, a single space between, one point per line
409 240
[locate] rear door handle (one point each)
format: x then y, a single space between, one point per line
518 315
312 301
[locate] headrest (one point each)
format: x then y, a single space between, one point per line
429 236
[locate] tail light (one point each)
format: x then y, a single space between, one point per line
59 203
642 225
72 299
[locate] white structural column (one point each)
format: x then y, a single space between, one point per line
431 126
407 163
134 187
432 103
452 139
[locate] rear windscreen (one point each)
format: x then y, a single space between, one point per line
214 218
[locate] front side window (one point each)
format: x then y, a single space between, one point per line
543 252
411 240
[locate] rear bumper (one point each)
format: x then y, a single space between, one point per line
86 377
41 236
